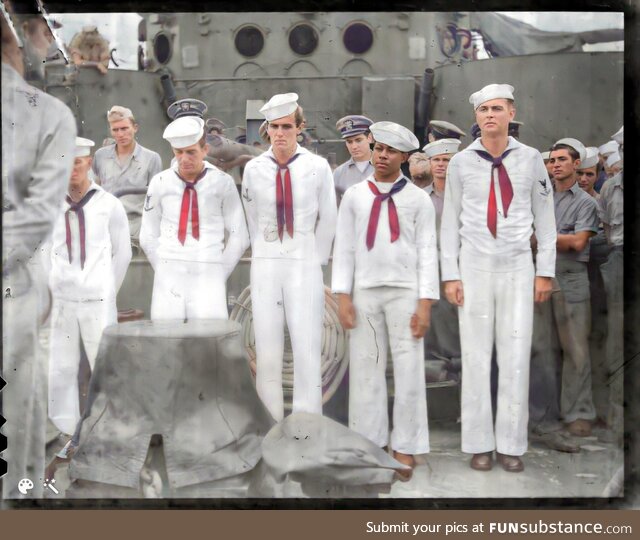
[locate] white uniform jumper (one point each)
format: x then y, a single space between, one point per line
498 283
190 277
84 282
387 282
286 275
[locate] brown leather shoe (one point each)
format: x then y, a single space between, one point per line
559 441
579 428
482 462
510 463
404 475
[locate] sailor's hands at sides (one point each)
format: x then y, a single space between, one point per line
454 293
421 319
346 311
542 289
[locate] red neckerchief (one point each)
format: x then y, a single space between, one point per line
189 199
506 189
394 223
284 202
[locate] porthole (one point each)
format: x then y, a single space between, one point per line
303 39
249 41
162 48
357 38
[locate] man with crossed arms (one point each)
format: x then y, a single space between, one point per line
497 192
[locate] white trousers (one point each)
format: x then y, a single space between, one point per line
288 290
498 304
70 323
383 317
189 290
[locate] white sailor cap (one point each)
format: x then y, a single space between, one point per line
618 136
280 105
117 112
613 159
545 155
184 131
575 144
591 160
83 147
394 135
441 146
608 148
489 92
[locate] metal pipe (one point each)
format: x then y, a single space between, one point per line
168 88
423 112
279 77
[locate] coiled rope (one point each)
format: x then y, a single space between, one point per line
334 357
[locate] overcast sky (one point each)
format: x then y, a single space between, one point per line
121 29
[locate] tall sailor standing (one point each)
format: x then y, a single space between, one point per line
187 211
90 254
290 203
497 191
354 129
391 266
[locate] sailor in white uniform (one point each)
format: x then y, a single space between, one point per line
386 257
187 211
90 254
290 204
497 192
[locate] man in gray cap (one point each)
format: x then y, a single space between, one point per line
354 129
576 222
588 172
485 244
390 265
611 212
290 204
443 338
126 165
604 151
545 158
38 136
